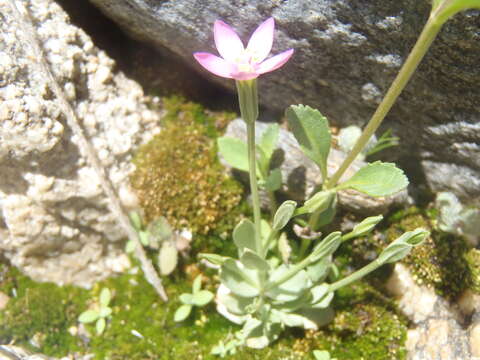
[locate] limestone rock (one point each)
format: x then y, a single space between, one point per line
301 175
346 55
54 221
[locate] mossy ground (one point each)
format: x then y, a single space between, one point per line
178 174
366 324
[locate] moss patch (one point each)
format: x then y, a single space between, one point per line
366 326
178 174
142 326
40 314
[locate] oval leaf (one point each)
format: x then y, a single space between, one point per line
202 298
377 179
234 151
105 296
268 141
105 312
236 278
244 235
312 132
186 299
100 325
284 214
88 316
167 258
182 313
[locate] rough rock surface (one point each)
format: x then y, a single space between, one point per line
301 175
439 331
347 54
54 221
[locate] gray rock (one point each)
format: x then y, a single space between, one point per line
347 54
301 175
438 328
54 221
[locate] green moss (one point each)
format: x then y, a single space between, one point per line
473 261
178 174
41 314
440 261
366 326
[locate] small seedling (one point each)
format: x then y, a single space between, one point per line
100 313
198 297
158 234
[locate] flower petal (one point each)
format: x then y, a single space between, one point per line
214 64
274 62
260 43
227 41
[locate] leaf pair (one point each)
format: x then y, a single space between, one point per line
198 297
100 313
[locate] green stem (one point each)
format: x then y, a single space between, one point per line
248 100
355 276
422 45
305 243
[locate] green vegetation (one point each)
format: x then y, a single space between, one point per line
142 326
178 174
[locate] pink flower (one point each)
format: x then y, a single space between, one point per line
237 62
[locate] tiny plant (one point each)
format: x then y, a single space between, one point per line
100 313
197 297
158 234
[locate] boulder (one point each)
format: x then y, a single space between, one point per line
55 224
346 55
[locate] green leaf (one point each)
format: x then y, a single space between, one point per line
234 151
238 279
401 247
186 298
268 141
167 258
213 258
88 316
182 313
105 311
312 132
274 180
130 247
197 284
202 298
318 271
318 202
364 227
291 289
321 355
100 326
136 220
283 214
143 236
105 296
160 229
377 179
252 261
327 246
244 235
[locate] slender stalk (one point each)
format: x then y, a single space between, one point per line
355 276
423 43
248 100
